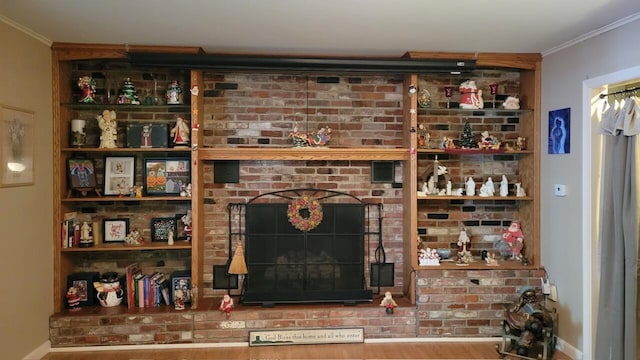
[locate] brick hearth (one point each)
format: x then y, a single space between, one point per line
449 302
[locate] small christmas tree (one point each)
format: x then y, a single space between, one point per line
466 139
128 93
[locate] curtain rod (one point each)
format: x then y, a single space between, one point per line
603 95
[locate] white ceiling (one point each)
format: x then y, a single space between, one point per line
321 27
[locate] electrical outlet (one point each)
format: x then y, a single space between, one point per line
553 293
546 286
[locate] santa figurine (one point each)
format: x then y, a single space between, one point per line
388 303
514 238
226 305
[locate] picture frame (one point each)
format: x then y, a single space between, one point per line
82 174
181 280
17 147
119 175
559 131
115 230
166 176
147 135
83 282
161 226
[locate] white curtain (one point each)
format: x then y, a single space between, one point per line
619 232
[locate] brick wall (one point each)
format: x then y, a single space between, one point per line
262 109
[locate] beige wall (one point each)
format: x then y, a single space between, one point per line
562 228
26 218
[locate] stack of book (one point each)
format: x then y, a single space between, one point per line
146 290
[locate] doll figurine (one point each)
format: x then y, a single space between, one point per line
109 129
180 133
388 303
226 305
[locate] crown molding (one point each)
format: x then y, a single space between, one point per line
26 30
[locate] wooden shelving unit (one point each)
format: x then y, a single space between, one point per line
64 55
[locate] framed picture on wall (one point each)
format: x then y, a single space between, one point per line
167 176
560 131
119 175
17 146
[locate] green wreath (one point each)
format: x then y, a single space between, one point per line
305 223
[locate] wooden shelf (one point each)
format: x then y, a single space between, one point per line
128 107
474 152
178 245
491 198
473 112
125 150
126 199
305 153
478 265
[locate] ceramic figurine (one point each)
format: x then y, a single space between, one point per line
180 133
448 190
179 298
134 238
226 305
128 93
388 303
464 244
470 187
174 93
88 87
487 189
109 129
73 299
471 97
488 142
504 186
514 238
520 191
109 292
145 136
428 257
511 103
170 237
319 138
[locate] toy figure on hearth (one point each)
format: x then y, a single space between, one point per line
514 238
388 303
226 305
471 97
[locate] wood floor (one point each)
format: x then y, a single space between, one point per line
458 350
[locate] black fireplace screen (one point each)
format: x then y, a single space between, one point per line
287 265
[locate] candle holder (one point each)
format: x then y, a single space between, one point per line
494 90
448 93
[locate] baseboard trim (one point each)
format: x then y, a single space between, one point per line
148 347
568 349
39 352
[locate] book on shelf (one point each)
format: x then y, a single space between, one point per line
68 227
132 271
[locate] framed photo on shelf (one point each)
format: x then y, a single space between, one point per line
83 282
82 174
162 227
119 175
166 177
181 280
115 230
17 146
147 135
